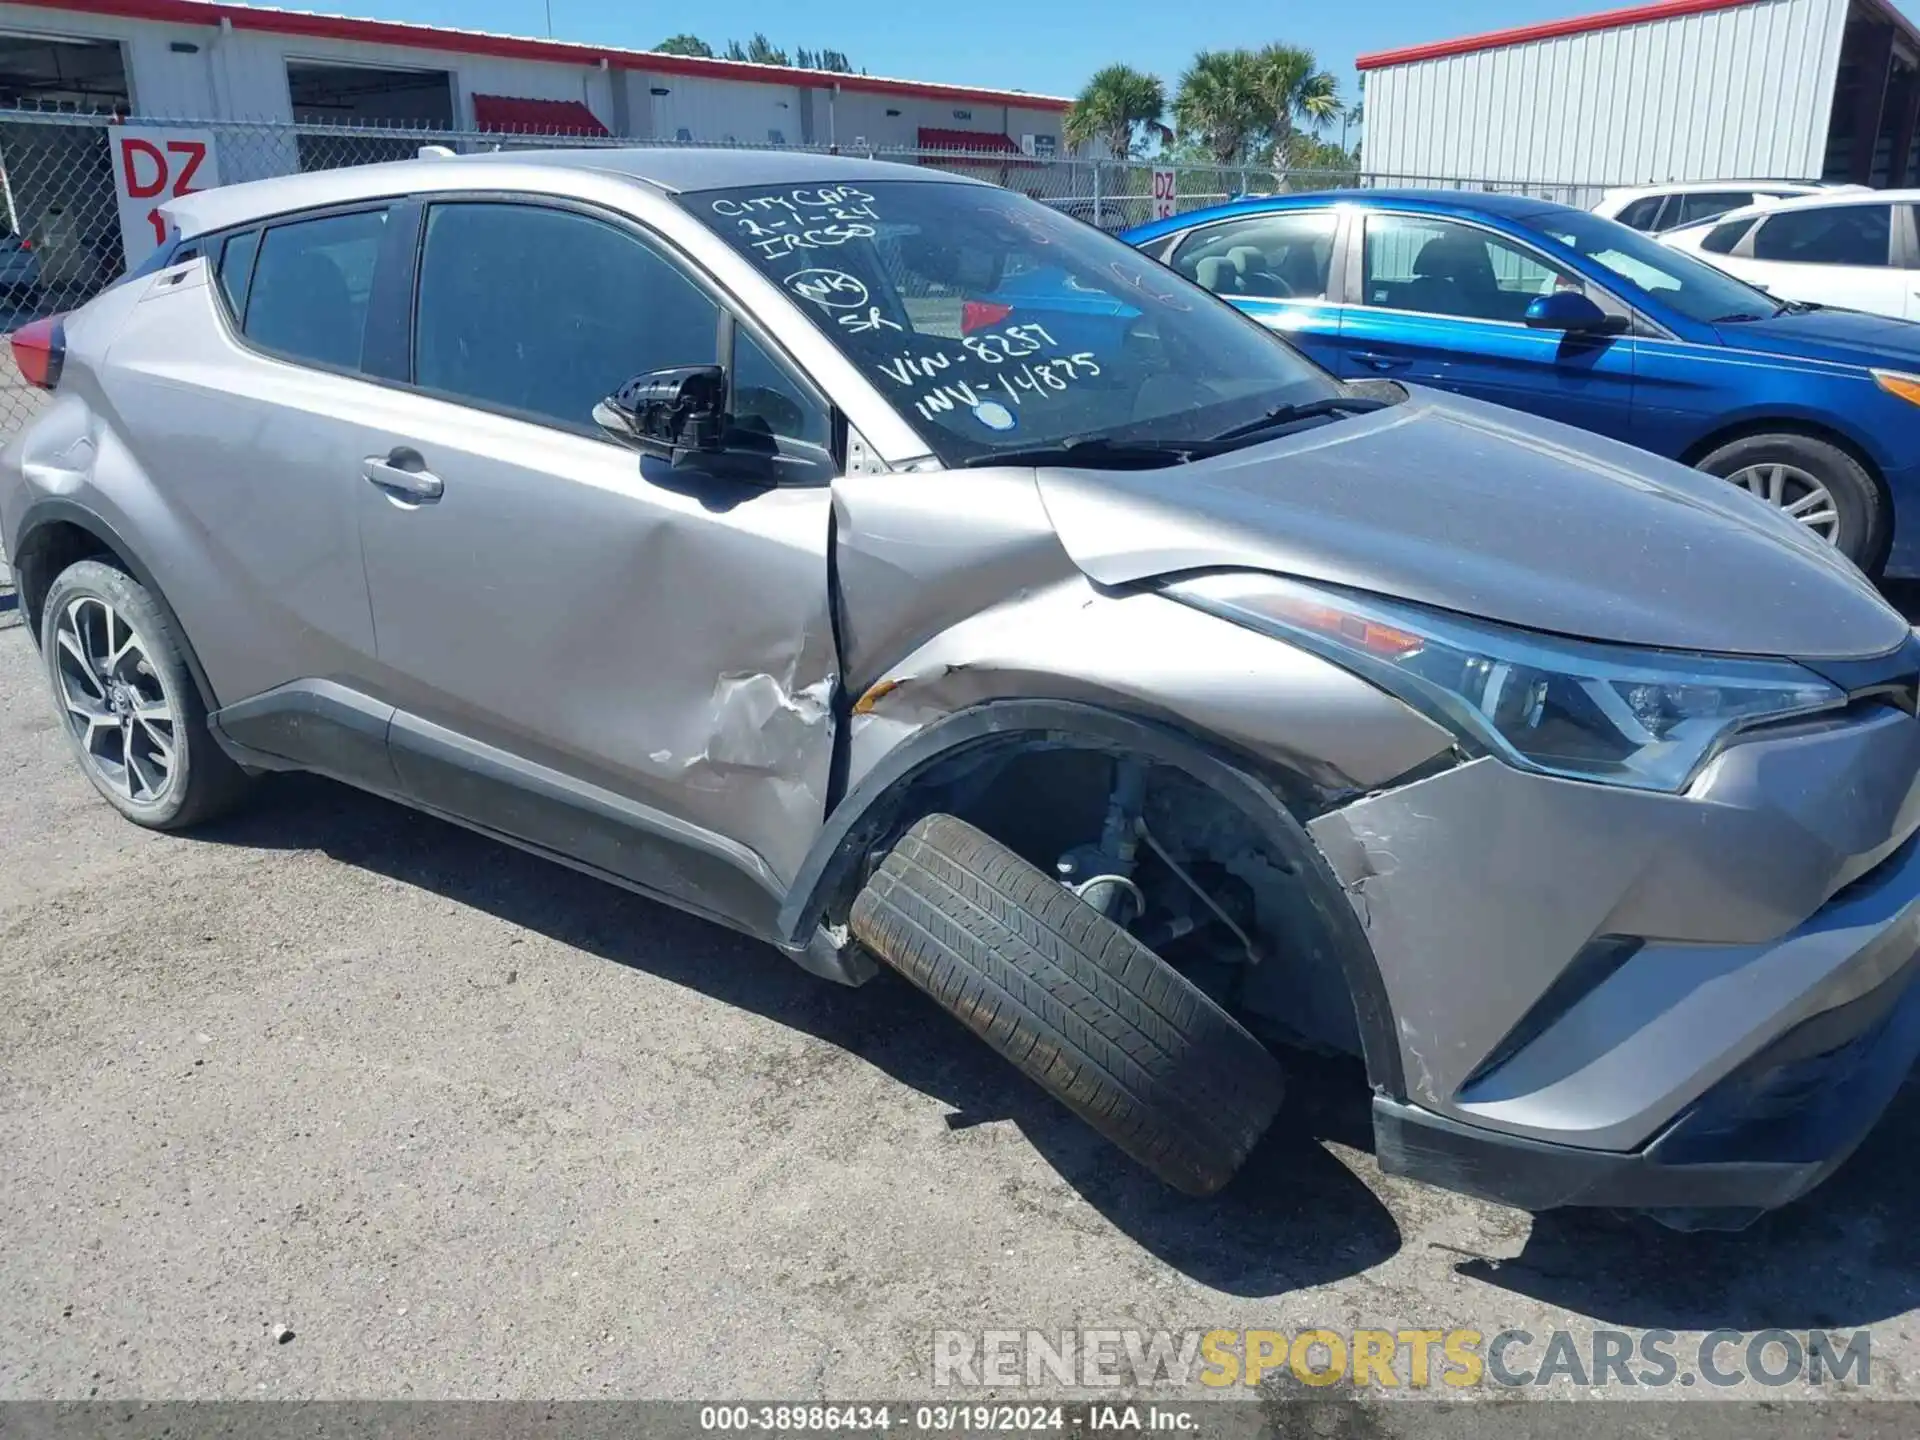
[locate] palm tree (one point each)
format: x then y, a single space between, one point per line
684 45
1294 89
1219 103
1115 104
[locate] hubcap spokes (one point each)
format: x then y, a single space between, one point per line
1794 492
115 705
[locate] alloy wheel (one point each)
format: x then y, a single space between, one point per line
1793 492
115 704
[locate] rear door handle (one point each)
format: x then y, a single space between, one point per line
1374 360
403 474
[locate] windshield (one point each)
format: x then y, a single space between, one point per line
995 324
1691 287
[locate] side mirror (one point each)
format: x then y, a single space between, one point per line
669 413
1568 310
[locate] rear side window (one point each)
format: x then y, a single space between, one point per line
1642 213
1706 205
1723 237
236 268
547 312
1275 257
1829 235
312 281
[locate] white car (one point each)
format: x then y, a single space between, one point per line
1653 208
1853 248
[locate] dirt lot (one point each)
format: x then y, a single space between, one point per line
471 1125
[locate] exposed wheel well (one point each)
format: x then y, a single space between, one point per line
1043 796
48 550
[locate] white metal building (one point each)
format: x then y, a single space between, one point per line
191 59
1672 90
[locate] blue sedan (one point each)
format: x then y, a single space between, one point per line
1577 318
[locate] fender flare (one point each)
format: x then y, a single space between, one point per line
864 815
57 509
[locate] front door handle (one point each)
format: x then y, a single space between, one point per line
404 475
1374 360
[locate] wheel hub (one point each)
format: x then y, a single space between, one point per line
116 706
1796 493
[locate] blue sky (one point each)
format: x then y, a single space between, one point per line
1018 43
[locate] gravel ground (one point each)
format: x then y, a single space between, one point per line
469 1124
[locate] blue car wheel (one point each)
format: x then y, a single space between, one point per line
1817 483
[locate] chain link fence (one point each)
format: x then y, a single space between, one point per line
64 243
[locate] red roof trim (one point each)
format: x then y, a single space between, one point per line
514 47
514 113
1546 30
932 137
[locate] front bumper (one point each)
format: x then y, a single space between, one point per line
1691 1003
1766 1134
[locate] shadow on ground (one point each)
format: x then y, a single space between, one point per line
1294 1217
1847 1255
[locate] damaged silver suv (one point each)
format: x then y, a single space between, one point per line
885 565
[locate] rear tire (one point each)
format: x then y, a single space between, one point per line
1075 1002
1863 529
128 703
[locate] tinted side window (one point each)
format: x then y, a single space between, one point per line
765 398
311 283
236 268
1439 268
1709 204
548 312
1830 235
1641 214
1722 238
1275 257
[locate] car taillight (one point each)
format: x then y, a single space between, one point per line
25 243
39 350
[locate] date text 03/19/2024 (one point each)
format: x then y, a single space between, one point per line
941 1419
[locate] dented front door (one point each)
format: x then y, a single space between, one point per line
631 664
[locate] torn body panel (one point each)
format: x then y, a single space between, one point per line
1146 655
1726 897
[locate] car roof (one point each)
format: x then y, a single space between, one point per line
1703 187
664 169
1852 195
1465 203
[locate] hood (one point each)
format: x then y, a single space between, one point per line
1473 508
1846 337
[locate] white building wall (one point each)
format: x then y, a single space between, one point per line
1744 91
717 111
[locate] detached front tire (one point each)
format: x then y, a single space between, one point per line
128 703
1075 1002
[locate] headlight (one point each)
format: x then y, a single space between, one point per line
1643 718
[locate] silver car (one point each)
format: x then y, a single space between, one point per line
891 568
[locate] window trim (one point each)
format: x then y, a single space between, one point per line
730 316
236 325
1336 255
226 238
